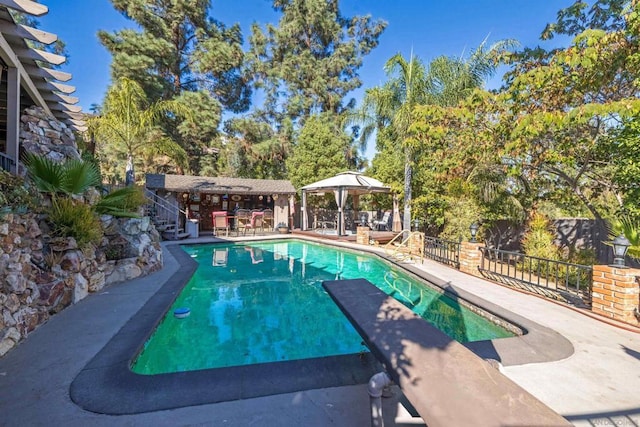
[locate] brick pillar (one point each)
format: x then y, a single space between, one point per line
362 235
470 257
615 293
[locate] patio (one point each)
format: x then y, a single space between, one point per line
597 385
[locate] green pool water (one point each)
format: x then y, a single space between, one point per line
263 302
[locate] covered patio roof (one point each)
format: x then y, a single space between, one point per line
342 184
219 185
352 182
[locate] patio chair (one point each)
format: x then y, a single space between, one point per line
243 220
384 222
268 219
220 222
256 222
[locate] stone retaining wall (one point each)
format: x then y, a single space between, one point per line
40 276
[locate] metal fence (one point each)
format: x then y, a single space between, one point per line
555 279
441 250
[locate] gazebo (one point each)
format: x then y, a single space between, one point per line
342 185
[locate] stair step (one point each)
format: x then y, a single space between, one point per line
174 236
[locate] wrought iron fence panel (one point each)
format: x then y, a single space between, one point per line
441 250
555 279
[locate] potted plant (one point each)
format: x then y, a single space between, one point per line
282 228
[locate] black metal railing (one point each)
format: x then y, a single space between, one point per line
7 163
441 250
555 279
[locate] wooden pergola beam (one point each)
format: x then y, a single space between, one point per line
39 55
26 6
9 57
54 86
47 73
22 31
61 106
51 96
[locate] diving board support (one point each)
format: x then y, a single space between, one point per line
446 383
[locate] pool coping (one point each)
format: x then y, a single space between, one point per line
107 385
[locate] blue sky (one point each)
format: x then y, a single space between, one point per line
430 27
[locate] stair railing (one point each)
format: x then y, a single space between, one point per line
164 210
402 248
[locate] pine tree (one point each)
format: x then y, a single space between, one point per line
182 54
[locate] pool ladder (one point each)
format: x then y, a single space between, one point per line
408 249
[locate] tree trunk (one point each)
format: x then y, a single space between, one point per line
408 171
129 174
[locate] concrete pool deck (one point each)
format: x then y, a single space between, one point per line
598 385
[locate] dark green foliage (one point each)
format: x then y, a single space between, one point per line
71 177
72 219
320 151
310 61
180 53
123 202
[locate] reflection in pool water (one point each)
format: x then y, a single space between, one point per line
263 302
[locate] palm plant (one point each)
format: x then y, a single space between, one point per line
390 106
628 227
74 176
130 124
445 83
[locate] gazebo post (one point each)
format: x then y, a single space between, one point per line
356 203
303 226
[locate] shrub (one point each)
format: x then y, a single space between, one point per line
16 195
538 240
123 202
71 219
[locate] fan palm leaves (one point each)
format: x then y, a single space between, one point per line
628 227
74 176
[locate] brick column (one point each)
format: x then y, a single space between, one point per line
615 293
362 235
470 257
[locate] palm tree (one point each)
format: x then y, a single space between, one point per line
445 83
390 106
130 124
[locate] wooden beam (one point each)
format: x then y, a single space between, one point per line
39 55
47 73
26 6
77 122
77 116
25 32
54 86
60 106
9 57
50 96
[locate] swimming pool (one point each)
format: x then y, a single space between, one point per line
262 302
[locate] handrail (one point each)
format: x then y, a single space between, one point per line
9 164
165 210
408 247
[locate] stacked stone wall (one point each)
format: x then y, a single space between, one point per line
40 275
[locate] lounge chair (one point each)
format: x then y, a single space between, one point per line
384 222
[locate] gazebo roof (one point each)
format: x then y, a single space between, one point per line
353 182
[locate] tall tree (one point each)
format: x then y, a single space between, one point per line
182 54
321 151
445 83
129 123
310 61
